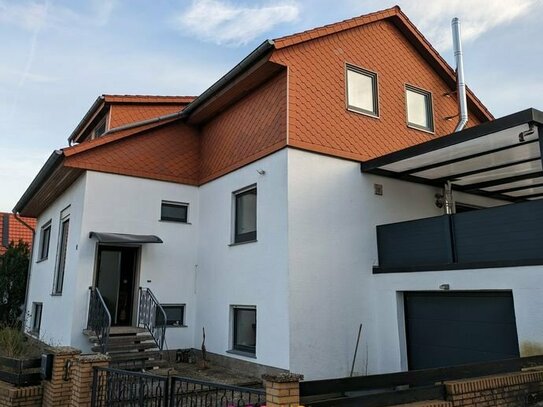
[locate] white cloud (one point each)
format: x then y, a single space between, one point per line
477 17
30 15
223 22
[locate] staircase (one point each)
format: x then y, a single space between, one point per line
129 347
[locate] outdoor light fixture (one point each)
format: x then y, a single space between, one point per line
444 287
261 172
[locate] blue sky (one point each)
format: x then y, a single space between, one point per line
58 56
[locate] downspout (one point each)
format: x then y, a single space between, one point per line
460 82
25 307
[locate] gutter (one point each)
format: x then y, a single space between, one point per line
260 52
50 165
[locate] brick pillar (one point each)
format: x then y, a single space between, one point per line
282 390
82 373
58 390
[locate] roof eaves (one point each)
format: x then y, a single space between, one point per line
45 172
257 54
99 100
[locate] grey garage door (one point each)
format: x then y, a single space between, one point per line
453 328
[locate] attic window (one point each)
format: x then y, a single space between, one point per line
419 108
99 129
362 91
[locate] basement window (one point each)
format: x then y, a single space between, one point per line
244 329
45 238
174 211
175 314
419 108
362 91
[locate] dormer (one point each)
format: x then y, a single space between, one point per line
111 112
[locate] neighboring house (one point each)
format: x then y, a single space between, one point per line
246 212
13 230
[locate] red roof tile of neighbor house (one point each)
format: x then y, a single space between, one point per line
12 230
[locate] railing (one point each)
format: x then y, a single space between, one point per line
99 320
508 235
152 316
114 387
186 392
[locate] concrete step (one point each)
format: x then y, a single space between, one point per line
126 347
126 330
148 354
125 339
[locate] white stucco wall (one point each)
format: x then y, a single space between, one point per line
56 322
332 216
122 204
253 274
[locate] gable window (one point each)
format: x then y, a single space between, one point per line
174 211
45 238
245 215
419 108
37 308
61 260
175 314
362 91
244 329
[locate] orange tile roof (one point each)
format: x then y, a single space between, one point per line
16 230
148 99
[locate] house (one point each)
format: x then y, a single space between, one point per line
301 195
14 230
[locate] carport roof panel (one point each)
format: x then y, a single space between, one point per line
478 159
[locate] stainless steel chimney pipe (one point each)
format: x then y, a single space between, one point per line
460 82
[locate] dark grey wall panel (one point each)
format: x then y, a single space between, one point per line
419 242
505 233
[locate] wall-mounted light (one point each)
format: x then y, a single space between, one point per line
261 172
444 287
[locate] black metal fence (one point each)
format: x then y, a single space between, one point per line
116 388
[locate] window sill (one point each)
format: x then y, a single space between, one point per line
56 294
241 353
174 221
419 128
176 326
41 260
34 334
366 113
240 243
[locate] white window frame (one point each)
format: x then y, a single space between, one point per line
64 217
41 256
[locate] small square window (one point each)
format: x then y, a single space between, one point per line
419 108
244 329
362 91
174 211
175 314
37 308
245 215
100 129
45 238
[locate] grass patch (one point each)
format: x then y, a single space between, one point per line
15 344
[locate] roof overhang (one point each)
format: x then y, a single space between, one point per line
500 159
124 238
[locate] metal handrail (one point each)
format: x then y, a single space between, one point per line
99 319
147 316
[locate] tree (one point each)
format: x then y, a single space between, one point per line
13 276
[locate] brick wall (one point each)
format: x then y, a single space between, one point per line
513 389
11 396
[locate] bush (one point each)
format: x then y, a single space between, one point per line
13 276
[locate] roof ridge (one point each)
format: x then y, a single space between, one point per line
333 28
148 96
